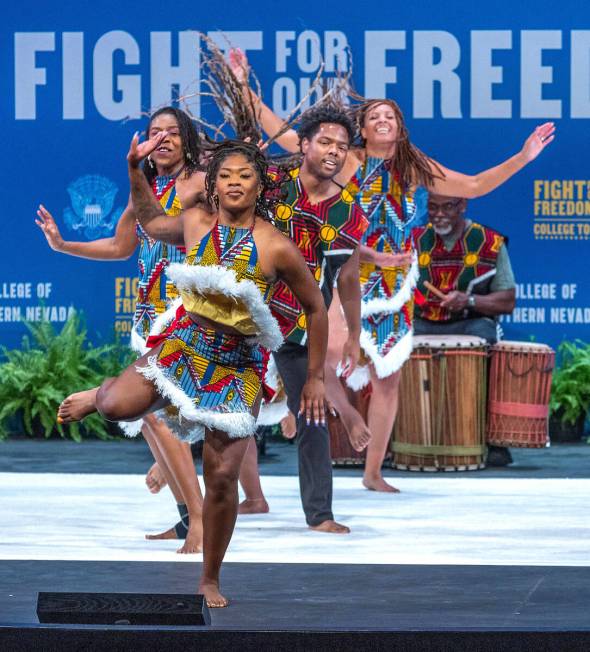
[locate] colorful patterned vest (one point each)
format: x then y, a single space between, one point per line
326 234
473 255
155 291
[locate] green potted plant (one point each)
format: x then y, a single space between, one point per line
570 391
49 366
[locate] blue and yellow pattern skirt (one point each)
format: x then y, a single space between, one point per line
213 380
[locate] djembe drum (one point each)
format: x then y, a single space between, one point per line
441 420
520 386
342 453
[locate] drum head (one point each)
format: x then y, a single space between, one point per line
448 342
532 347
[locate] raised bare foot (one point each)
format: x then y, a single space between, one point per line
359 435
213 597
330 526
194 541
256 506
77 406
379 484
155 479
289 426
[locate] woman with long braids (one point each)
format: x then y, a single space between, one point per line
174 173
385 170
207 366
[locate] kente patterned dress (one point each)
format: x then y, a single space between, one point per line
155 291
213 379
387 302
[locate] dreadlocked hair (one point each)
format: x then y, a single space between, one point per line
311 120
269 195
412 165
189 138
234 101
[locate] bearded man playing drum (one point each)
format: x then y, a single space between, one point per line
466 279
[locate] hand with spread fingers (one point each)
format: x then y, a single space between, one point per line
238 62
538 140
138 151
313 402
50 230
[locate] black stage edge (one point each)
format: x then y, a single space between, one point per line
315 607
14 639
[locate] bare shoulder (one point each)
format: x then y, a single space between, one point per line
191 190
274 247
354 158
198 218
269 236
358 153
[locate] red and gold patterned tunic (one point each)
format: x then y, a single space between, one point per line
326 234
468 267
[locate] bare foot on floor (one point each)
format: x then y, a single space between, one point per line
258 506
168 534
155 479
289 426
379 484
193 543
77 406
330 526
213 597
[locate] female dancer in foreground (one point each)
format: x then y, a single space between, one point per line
385 171
208 365
173 172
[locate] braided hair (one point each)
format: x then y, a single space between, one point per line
267 198
412 165
189 137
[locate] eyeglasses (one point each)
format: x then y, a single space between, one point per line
447 207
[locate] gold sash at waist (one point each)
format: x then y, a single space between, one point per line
221 309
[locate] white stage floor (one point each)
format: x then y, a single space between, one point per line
435 520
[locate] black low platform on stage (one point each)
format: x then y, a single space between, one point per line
122 609
315 607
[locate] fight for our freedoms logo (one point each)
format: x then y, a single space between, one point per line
561 209
93 198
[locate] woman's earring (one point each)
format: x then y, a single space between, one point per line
188 156
152 164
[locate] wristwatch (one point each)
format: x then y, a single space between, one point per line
471 301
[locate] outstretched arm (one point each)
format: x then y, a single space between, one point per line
269 121
118 247
455 184
146 207
292 269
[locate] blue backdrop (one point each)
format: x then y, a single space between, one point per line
473 81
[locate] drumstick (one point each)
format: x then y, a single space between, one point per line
435 290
